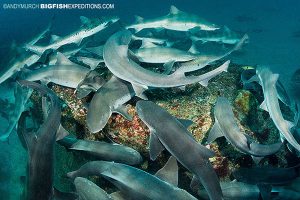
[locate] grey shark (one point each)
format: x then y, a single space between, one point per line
16 65
150 53
176 20
224 36
133 182
21 98
40 147
225 125
268 82
203 60
168 132
66 73
103 150
235 190
115 56
75 37
267 175
107 100
87 190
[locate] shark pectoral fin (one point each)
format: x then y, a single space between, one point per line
265 191
204 82
185 122
215 132
78 41
182 88
61 133
290 124
156 147
63 60
256 159
263 106
123 110
169 172
193 49
45 81
139 90
194 183
168 66
82 92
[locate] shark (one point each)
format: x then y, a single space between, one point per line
87 190
135 183
16 65
103 150
41 35
176 20
203 60
22 96
224 37
268 82
40 147
115 56
225 125
151 53
168 132
267 175
235 190
75 37
68 74
107 100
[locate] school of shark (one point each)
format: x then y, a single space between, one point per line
109 65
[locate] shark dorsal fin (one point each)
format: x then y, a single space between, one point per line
169 172
138 19
174 10
63 60
84 20
54 38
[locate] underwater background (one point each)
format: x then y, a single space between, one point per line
273 27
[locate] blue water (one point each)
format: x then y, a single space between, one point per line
272 25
